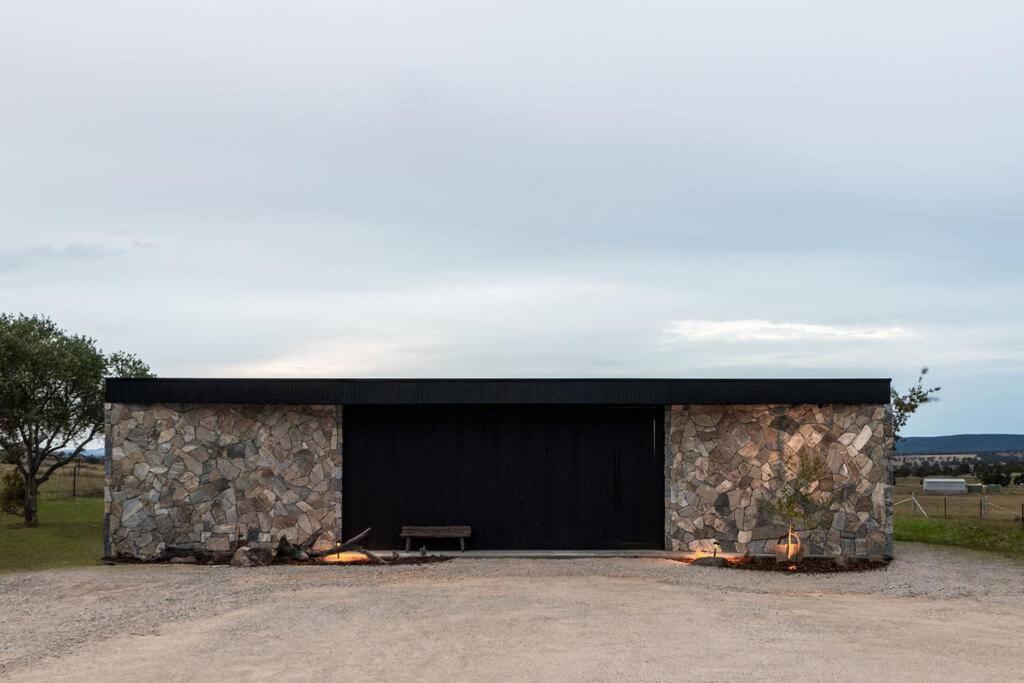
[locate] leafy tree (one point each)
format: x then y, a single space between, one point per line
12 493
51 397
994 475
905 405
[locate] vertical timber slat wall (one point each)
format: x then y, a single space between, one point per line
524 477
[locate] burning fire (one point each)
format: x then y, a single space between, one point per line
346 556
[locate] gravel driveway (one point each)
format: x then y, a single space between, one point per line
934 613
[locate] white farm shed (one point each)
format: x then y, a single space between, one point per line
945 486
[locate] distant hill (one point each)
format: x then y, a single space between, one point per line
91 453
960 443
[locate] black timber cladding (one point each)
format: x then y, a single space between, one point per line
499 391
523 477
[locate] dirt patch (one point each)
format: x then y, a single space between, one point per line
936 612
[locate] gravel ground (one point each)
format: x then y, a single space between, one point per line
934 613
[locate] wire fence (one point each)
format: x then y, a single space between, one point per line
76 480
995 508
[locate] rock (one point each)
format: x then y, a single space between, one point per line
248 556
862 438
218 542
141 470
796 442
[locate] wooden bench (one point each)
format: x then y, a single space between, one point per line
459 532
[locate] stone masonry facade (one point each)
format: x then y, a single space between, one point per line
214 477
723 461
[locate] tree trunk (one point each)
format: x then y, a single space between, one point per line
31 501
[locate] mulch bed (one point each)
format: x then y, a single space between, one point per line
811 565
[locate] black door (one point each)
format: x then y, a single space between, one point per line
524 477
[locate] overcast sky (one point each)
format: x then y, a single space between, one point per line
555 190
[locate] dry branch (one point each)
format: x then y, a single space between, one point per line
350 544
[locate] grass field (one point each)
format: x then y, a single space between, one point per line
90 481
1005 538
1005 506
70 534
70 531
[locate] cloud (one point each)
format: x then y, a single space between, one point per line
348 357
69 255
526 191
768 331
13 259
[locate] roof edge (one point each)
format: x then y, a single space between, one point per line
448 391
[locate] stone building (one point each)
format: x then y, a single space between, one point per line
528 464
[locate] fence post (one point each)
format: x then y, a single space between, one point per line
945 507
981 508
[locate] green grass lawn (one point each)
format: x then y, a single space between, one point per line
70 534
1005 538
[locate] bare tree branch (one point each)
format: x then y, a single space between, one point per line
74 454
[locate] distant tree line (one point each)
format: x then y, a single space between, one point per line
1005 474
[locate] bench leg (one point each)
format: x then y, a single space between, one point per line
462 544
408 540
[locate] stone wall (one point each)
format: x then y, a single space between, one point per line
212 477
723 461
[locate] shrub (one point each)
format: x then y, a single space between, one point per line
12 493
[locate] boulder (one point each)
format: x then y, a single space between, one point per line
247 556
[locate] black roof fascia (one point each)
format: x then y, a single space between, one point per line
499 391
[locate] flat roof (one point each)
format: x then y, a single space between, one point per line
498 391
